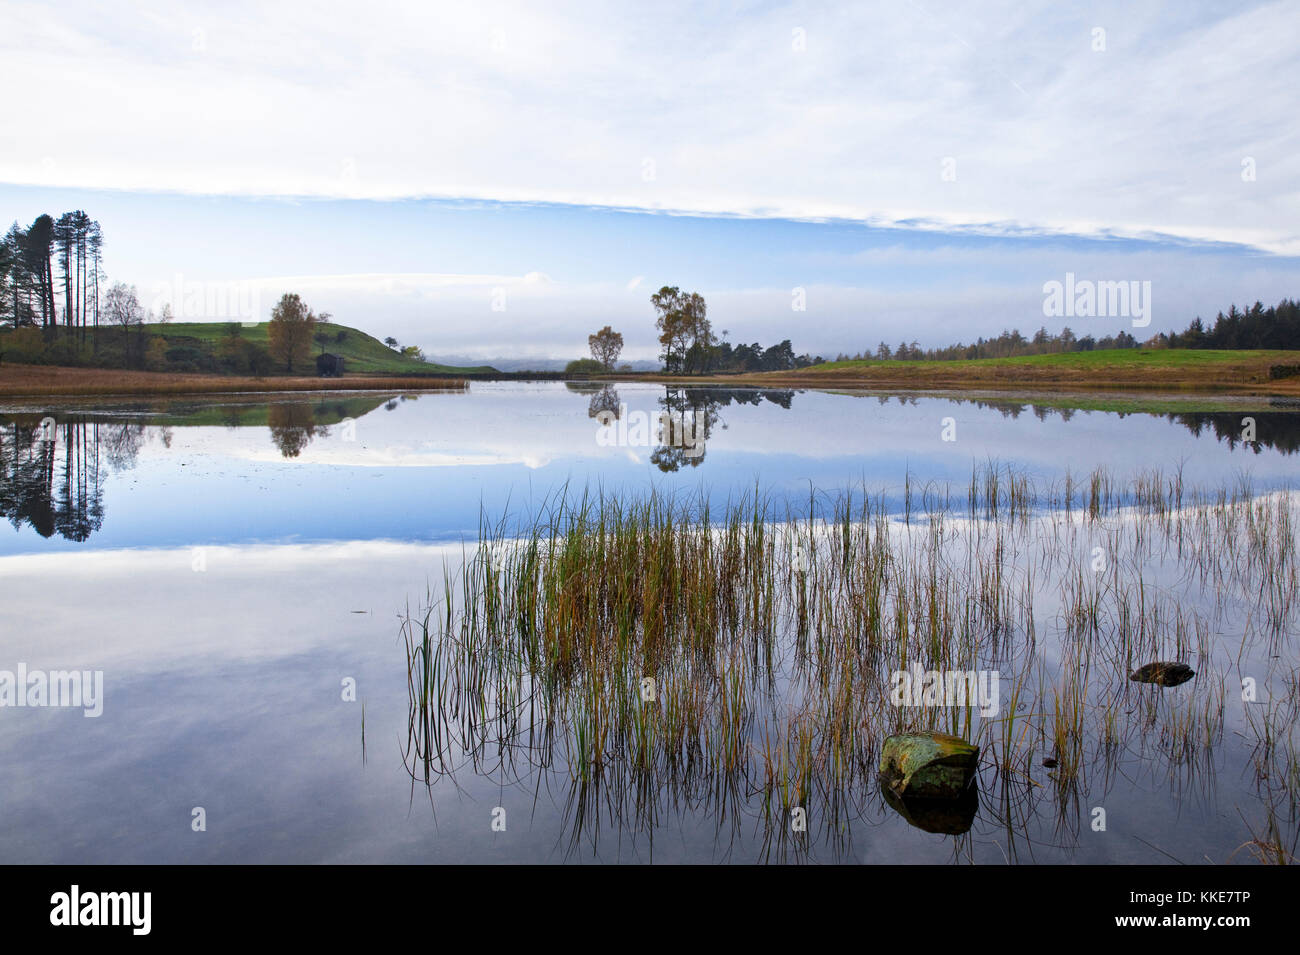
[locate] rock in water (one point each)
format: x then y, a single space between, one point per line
928 765
1163 674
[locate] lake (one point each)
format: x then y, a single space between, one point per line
239 570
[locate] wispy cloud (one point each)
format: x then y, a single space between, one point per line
1001 118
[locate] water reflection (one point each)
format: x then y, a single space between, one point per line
687 416
732 707
53 466
1276 429
293 426
52 474
258 669
605 402
472 453
947 817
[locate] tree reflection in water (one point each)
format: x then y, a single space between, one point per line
293 425
52 476
53 465
698 409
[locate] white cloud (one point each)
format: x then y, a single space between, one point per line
509 102
936 296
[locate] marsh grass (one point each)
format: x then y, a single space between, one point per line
662 654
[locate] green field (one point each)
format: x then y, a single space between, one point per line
1128 370
364 353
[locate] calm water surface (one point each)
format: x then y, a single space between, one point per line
235 565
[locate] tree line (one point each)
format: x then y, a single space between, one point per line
1009 344
54 296
31 291
1275 327
689 345
691 348
53 284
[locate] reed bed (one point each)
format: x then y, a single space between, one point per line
671 654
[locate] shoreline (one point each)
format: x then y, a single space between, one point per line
1108 373
61 381
1137 378
973 384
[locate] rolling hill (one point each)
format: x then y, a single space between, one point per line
364 353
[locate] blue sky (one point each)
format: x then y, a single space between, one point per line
504 180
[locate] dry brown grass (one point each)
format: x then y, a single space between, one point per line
44 380
1244 373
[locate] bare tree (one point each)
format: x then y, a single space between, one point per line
122 308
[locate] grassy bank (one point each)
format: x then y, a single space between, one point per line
230 348
47 380
1139 369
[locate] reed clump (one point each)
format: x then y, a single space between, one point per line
740 658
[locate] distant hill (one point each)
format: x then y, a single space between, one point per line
364 353
539 364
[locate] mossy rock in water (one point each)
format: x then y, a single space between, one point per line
928 765
1163 674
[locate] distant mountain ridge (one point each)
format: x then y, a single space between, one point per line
531 364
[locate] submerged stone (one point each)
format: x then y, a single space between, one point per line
928 765
1163 673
